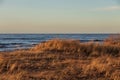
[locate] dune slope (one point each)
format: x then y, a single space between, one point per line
61 59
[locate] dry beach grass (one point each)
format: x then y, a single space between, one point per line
61 59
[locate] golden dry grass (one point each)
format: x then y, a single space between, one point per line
62 59
113 39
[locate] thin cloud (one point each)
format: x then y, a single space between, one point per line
110 8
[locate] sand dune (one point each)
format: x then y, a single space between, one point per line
62 59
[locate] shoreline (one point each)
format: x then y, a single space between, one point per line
9 49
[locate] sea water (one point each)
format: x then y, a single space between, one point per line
10 42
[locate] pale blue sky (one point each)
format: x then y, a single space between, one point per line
59 16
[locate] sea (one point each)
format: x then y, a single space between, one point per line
10 42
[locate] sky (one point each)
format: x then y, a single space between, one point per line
59 16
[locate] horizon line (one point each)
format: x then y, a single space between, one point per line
65 33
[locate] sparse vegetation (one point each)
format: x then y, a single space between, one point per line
61 59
